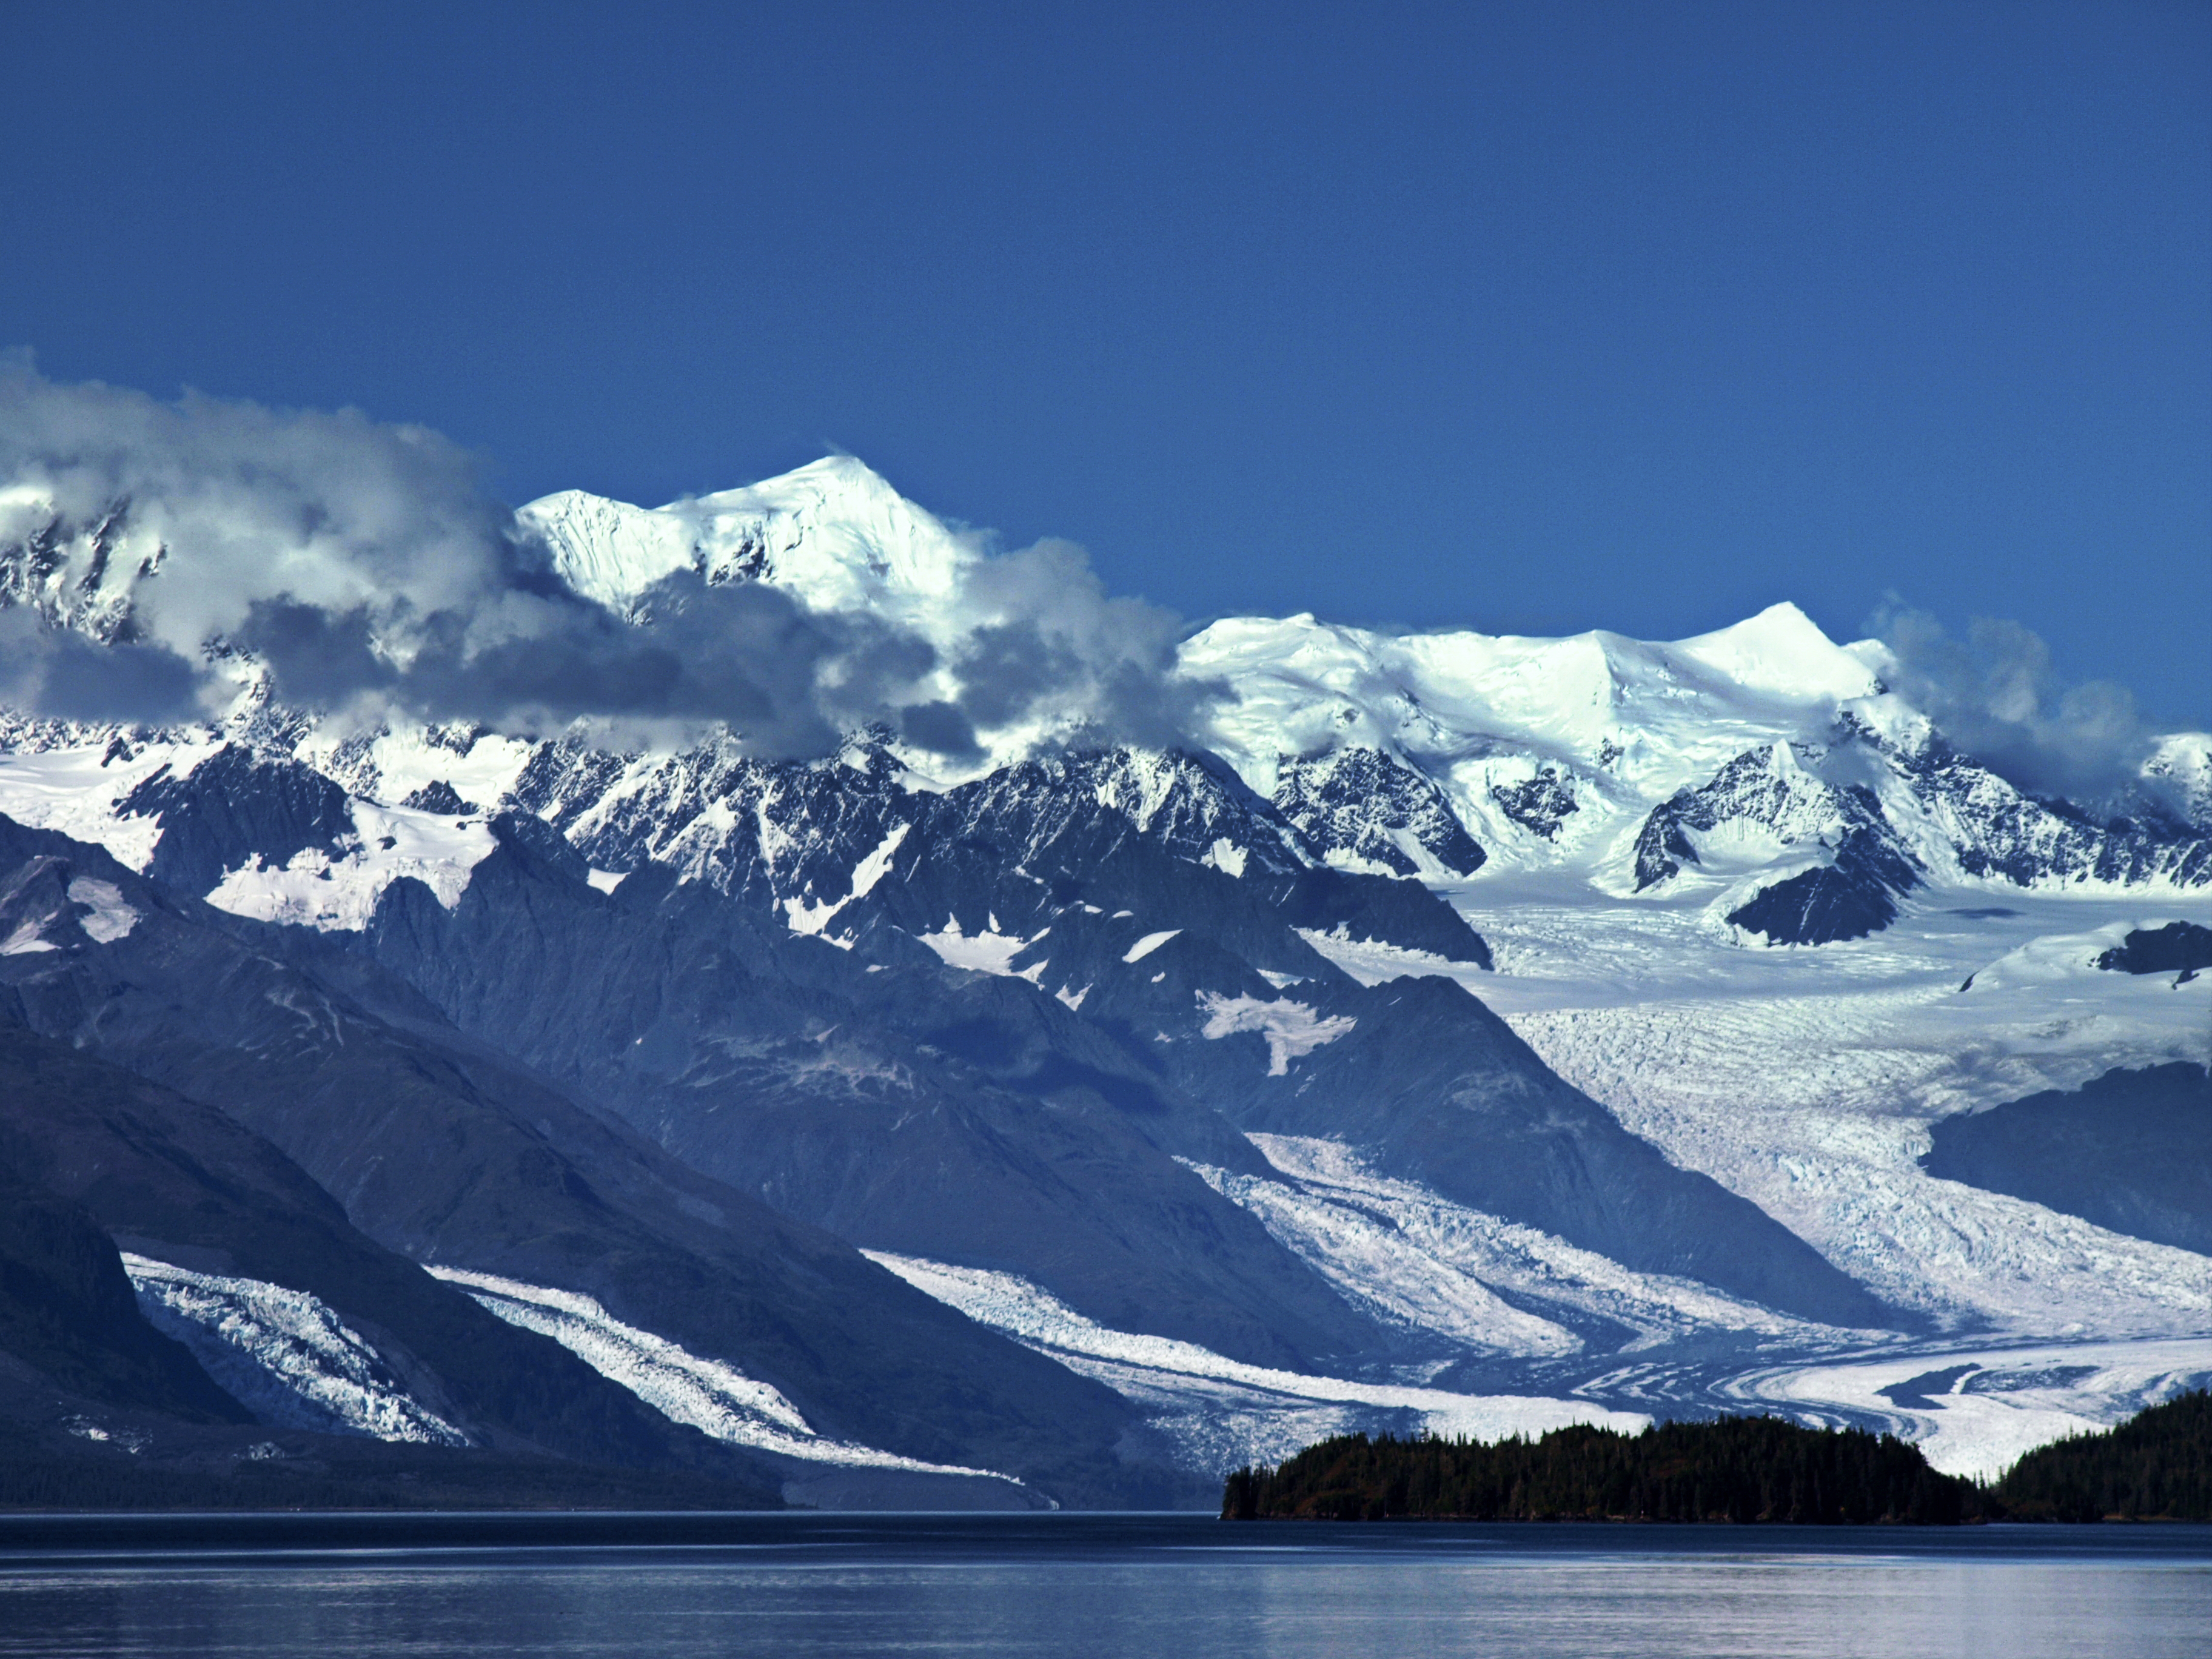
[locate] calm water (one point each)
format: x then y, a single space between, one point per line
671 1587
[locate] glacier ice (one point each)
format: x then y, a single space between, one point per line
1219 1412
283 1354
708 1394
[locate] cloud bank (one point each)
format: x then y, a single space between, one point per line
367 568
1996 694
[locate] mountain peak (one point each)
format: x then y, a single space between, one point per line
1782 653
834 534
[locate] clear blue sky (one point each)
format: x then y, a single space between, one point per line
1534 317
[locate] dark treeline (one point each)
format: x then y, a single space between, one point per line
2157 1465
1734 1469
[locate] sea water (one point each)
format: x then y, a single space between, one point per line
333 1587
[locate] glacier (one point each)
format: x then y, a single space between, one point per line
708 1394
1221 1414
284 1355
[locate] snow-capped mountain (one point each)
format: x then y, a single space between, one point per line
1449 1028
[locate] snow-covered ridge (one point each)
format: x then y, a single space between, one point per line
1555 754
78 574
284 1354
707 1395
833 534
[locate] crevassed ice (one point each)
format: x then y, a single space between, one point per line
709 1395
283 1354
1398 1244
1377 1264
1975 1410
1242 1403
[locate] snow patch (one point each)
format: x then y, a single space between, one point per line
1293 1029
24 940
111 918
988 952
804 916
1372 961
339 894
1226 856
1151 942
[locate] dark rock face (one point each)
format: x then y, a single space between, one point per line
1851 898
914 1107
2131 1150
2181 947
67 1310
773 835
2022 839
155 1168
825 1007
1541 805
234 807
1853 894
439 797
1365 802
1996 831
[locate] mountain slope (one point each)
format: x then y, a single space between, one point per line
170 1178
450 1154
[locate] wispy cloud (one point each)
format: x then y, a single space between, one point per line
1996 694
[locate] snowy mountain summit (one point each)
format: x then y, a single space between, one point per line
1281 1028
833 534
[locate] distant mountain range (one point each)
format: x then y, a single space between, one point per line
1444 1031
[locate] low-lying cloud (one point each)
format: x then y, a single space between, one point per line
1996 694
368 571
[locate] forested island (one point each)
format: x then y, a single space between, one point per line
2157 1465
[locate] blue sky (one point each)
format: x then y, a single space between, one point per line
1531 316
